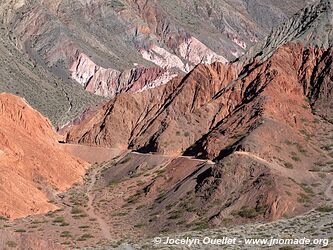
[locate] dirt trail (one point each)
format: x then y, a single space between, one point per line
180 156
90 209
91 196
275 166
272 165
329 189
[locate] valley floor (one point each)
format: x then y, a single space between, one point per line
105 211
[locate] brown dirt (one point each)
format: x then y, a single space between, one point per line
91 154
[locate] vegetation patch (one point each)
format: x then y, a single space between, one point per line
325 209
66 234
288 165
250 213
11 244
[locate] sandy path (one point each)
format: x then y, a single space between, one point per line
90 209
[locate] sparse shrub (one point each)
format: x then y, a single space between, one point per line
65 234
315 169
176 214
288 165
295 158
160 172
322 175
286 248
11 244
132 199
84 237
113 183
303 198
20 230
248 212
288 142
125 160
119 214
325 209
327 147
59 219
79 216
307 189
3 218
76 210
202 225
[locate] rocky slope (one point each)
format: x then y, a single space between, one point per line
10 240
32 164
258 118
58 99
105 45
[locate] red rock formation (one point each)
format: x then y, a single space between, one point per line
213 100
31 162
262 116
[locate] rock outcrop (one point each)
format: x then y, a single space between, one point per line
32 164
109 82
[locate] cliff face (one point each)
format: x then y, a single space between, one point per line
119 38
32 163
266 108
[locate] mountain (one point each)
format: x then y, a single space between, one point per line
210 95
193 129
32 164
58 99
131 45
265 120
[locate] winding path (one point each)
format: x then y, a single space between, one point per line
90 209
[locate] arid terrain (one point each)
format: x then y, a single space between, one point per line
165 119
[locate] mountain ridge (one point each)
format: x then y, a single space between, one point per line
261 118
156 35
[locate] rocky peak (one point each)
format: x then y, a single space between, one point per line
312 25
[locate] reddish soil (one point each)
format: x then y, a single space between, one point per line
32 165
